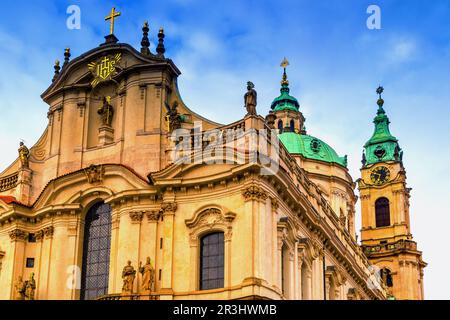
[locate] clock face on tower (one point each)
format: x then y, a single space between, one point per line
380 175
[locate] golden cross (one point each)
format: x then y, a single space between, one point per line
112 17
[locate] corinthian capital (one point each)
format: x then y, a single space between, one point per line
254 193
18 235
169 207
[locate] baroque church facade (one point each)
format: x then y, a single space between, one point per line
98 208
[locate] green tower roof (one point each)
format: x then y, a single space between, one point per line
285 101
382 146
311 148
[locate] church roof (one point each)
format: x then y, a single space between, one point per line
382 146
311 147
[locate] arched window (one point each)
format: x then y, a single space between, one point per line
382 213
212 255
96 251
280 126
292 125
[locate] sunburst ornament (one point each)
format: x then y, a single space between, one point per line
284 64
104 69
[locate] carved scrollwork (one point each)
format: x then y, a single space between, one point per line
275 204
153 215
169 207
94 173
136 216
49 231
18 235
209 219
254 193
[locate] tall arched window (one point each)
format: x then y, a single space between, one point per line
292 125
96 251
280 126
382 213
212 256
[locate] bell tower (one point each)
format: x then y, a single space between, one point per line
386 234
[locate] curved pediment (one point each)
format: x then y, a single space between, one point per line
77 73
106 179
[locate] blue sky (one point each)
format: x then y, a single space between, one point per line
336 65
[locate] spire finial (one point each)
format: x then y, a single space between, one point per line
161 49
284 65
57 70
145 43
380 101
67 56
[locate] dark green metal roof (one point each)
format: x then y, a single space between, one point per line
311 148
382 146
285 101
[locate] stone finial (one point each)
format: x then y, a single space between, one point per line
66 56
145 43
161 49
57 68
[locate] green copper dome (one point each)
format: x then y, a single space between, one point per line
285 101
311 148
382 146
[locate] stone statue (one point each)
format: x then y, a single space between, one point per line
173 118
30 287
106 111
128 275
148 275
19 287
24 154
250 99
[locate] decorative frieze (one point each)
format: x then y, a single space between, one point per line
254 193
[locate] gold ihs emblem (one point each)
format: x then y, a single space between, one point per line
104 69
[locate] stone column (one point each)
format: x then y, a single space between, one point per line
291 286
274 255
18 241
136 220
168 209
300 279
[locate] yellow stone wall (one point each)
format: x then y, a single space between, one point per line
294 214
